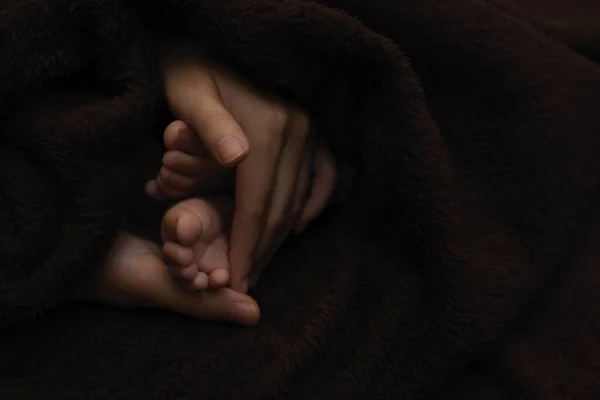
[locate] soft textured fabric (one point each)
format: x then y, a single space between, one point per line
462 266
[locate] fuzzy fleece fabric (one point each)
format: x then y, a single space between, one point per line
464 264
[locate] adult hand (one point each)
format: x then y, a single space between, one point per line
134 275
268 141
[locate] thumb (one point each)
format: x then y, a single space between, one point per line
193 97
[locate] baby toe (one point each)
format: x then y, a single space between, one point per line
190 227
219 278
178 254
186 221
187 273
168 228
173 185
153 191
179 136
215 262
200 282
183 164
200 221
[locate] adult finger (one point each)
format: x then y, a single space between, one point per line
304 181
301 196
280 217
323 187
194 97
253 191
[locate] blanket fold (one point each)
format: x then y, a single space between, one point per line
457 265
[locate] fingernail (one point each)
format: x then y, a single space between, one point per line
230 148
246 313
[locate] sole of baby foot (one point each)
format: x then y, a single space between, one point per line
182 266
220 304
192 230
190 277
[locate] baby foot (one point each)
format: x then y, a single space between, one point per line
134 275
187 167
196 243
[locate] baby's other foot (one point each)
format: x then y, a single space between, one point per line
135 275
187 167
196 243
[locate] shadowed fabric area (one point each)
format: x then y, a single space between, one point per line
464 265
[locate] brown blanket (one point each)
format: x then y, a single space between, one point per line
456 270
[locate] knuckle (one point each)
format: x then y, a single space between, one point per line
276 118
210 116
301 122
278 222
269 142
